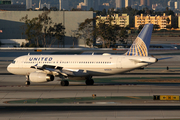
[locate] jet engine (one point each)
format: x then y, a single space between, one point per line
40 77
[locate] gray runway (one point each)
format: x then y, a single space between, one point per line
89 113
12 88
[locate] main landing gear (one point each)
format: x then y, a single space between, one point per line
27 80
89 81
64 83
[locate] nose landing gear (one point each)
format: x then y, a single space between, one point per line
27 80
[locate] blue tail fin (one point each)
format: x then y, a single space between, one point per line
140 46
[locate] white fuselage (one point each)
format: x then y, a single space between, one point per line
87 65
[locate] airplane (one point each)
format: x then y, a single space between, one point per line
44 68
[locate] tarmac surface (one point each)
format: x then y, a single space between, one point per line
126 96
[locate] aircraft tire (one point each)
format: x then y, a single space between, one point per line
90 82
64 83
27 83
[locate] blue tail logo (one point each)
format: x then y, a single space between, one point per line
140 46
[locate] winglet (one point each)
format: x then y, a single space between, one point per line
140 46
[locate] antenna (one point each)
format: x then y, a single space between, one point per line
93 53
28 53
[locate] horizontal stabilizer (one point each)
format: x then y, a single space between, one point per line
139 61
165 58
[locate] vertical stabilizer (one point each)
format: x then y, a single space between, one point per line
140 46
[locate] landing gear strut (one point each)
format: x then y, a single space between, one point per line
89 81
64 83
27 80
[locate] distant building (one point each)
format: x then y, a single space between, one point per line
179 21
177 5
11 25
146 3
63 4
39 4
120 4
143 2
149 4
92 4
7 5
45 5
28 4
96 4
5 2
171 4
88 4
122 21
13 42
104 6
156 20
13 1
135 6
158 7
127 3
82 6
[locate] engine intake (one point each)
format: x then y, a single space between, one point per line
40 77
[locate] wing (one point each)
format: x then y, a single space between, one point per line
59 71
49 69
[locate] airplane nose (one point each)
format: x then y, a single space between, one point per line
8 68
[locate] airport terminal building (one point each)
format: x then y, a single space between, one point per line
11 26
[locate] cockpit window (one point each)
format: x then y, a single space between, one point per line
13 62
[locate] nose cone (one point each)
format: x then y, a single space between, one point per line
9 68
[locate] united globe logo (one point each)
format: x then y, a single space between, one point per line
138 48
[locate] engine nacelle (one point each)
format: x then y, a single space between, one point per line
40 77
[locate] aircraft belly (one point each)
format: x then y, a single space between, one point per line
105 72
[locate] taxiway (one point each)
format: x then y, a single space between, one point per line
153 80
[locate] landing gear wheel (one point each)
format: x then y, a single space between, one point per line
27 80
90 82
64 83
27 83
